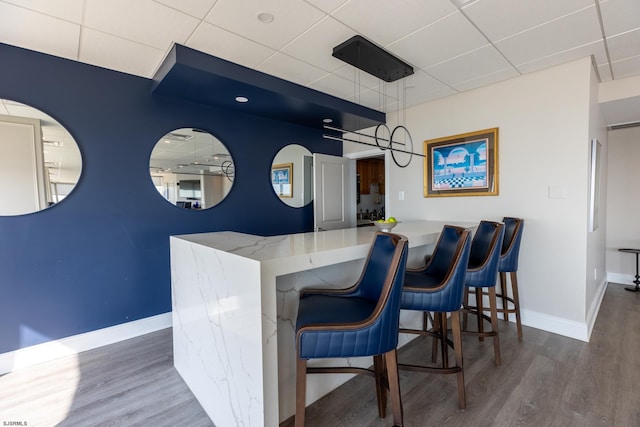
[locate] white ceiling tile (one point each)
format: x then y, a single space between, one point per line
442 40
488 79
144 21
619 16
498 19
292 18
430 96
624 45
47 34
226 45
334 85
359 77
108 51
477 63
69 10
626 68
421 83
316 45
373 99
596 49
327 6
291 69
605 73
197 8
578 29
386 21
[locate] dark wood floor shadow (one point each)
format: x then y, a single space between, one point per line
544 380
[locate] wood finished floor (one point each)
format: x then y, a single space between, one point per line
545 380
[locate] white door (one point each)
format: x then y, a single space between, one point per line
334 192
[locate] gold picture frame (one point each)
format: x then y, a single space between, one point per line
462 165
282 179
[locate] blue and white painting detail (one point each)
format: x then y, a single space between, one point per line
460 165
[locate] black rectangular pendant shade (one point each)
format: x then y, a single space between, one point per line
369 57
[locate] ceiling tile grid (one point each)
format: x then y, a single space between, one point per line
48 33
387 21
144 21
291 18
224 44
108 51
68 10
444 39
196 8
453 45
577 29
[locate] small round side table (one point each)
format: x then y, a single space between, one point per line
637 279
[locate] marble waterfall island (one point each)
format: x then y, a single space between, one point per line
235 299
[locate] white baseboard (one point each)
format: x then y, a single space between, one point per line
556 325
48 351
620 279
592 315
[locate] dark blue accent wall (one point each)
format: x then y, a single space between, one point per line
101 257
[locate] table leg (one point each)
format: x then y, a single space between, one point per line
637 279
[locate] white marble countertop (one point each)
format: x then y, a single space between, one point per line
297 252
234 301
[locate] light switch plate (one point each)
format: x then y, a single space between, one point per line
557 191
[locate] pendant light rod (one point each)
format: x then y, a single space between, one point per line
390 148
361 134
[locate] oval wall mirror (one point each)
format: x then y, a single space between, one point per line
38 157
191 169
292 175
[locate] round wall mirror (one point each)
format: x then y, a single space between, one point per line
292 175
40 162
191 168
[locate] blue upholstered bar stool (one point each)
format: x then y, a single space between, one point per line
362 320
438 288
509 264
482 272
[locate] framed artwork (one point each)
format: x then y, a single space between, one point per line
282 179
594 184
462 165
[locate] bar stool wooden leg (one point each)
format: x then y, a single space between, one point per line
503 292
443 340
465 304
391 362
457 345
301 391
480 311
494 323
435 327
381 389
516 302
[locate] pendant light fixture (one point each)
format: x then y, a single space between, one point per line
367 56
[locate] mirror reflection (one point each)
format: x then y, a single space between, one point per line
292 175
38 157
191 168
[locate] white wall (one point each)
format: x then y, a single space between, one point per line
544 133
623 203
596 273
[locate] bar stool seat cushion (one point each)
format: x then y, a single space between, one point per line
422 290
331 310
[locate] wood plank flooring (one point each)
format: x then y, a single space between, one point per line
545 380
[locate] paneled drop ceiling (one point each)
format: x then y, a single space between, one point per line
454 45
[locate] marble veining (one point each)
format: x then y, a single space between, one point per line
235 300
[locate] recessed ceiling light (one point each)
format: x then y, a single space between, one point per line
265 17
327 120
242 99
